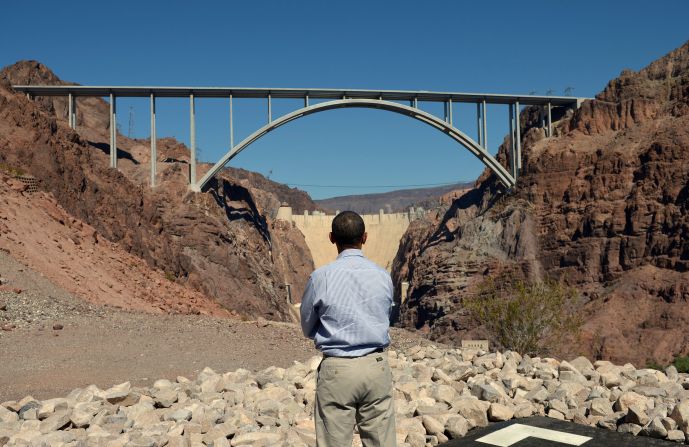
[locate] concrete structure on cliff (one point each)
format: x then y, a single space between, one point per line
389 100
384 234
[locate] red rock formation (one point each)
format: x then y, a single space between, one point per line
221 243
604 204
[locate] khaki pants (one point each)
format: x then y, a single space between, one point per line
355 391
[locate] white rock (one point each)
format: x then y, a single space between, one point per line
56 421
314 362
556 414
675 435
182 414
49 407
601 407
655 429
630 398
118 393
83 412
629 428
582 364
473 410
498 412
265 438
636 415
456 427
432 425
680 414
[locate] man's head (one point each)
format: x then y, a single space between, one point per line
348 231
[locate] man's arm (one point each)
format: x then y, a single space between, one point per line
391 293
309 313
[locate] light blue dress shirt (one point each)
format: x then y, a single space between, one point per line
346 306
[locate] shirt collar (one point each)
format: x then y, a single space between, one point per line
350 252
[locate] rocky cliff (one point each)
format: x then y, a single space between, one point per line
222 243
603 204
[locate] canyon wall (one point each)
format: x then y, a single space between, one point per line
222 243
602 205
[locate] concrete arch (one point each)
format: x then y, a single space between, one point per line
454 133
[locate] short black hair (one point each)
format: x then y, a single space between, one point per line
348 228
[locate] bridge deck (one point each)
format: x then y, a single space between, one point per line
246 92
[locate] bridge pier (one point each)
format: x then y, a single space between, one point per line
517 118
71 112
192 140
515 141
270 108
512 161
479 128
448 111
484 123
74 112
550 119
154 146
231 124
113 131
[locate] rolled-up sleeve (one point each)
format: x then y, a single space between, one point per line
309 312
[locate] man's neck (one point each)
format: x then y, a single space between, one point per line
342 248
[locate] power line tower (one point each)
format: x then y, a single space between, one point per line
550 92
131 122
569 91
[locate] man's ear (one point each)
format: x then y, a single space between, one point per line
363 238
332 239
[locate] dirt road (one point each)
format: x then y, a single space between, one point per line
106 346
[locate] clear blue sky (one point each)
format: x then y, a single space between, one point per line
496 47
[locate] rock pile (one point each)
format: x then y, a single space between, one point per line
440 394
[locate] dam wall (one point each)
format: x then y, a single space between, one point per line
384 234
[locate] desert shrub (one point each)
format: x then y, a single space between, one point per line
652 364
682 364
14 172
530 318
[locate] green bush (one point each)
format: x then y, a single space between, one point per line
682 364
652 364
14 172
530 318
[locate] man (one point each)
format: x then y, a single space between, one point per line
345 310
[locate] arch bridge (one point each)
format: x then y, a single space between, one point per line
406 103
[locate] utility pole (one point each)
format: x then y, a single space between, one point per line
131 122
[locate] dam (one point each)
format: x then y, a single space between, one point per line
384 234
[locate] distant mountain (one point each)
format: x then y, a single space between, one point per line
392 201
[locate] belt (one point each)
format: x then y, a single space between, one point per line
377 351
